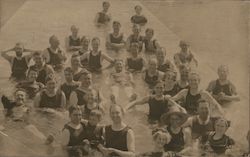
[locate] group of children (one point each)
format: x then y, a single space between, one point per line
180 111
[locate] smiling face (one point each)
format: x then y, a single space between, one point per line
51 85
116 114
203 110
175 121
86 80
221 126
19 49
75 62
118 66
39 60
32 75
116 26
95 44
194 81
159 88
223 72
76 116
160 140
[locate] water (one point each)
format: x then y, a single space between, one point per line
184 19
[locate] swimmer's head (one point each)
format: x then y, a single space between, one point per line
20 95
152 64
32 74
85 78
50 83
54 41
118 65
105 5
74 30
194 80
136 29
138 9
170 76
92 96
116 113
161 138
116 26
19 48
160 55
95 117
159 87
149 33
203 109
184 45
85 42
68 74
223 72
38 58
75 61
75 114
95 43
221 126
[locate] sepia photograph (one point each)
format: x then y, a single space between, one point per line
124 78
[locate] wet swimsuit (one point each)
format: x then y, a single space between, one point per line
177 141
150 46
190 103
139 19
74 42
103 18
19 68
53 102
151 80
94 134
94 62
116 139
68 89
222 88
116 40
157 108
135 64
56 59
136 39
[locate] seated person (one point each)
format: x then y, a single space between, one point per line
135 37
151 75
151 44
185 56
163 63
223 89
121 79
217 142
73 42
50 98
19 63
95 57
54 56
69 85
103 17
115 41
43 69
135 63
31 85
138 18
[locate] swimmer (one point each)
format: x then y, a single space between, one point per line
103 17
138 18
95 57
222 89
150 43
73 42
183 82
151 75
50 98
115 41
76 67
31 86
43 69
135 63
170 87
135 37
120 79
192 95
19 63
185 56
163 63
69 85
54 56
119 137
84 49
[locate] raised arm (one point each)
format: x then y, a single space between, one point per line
138 102
107 58
5 55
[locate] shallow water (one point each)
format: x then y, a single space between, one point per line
34 32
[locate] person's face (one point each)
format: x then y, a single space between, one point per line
169 78
75 62
38 60
116 27
74 30
203 110
138 10
152 66
76 116
91 97
149 34
223 73
160 141
86 80
32 76
19 50
106 6
194 81
85 43
95 44
184 47
184 75
51 85
116 114
220 127
160 57
175 121
55 42
93 119
118 67
20 96
68 76
159 89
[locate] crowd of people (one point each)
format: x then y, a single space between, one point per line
180 112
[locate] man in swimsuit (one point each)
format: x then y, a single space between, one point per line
73 42
103 17
138 18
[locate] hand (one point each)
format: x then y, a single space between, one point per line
221 95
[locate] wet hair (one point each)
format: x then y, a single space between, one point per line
84 38
96 113
20 44
117 22
182 43
51 38
96 39
68 69
105 2
119 106
49 78
194 74
226 122
138 6
150 29
73 27
223 67
72 108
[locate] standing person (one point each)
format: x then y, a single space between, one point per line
31 86
163 63
19 63
43 69
73 42
185 56
135 37
115 41
103 17
180 142
193 94
54 56
138 18
50 97
69 85
222 89
119 137
151 44
151 75
135 62
95 57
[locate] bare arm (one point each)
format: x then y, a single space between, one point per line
138 102
107 58
182 94
5 55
